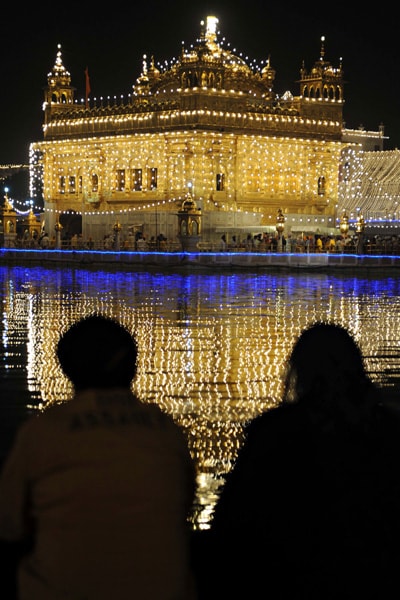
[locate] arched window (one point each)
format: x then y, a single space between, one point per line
95 182
321 186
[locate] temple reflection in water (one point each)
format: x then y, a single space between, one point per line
212 348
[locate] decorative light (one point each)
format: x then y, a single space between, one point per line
344 224
276 168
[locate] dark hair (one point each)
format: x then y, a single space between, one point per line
326 370
97 351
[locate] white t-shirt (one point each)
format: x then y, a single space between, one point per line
107 483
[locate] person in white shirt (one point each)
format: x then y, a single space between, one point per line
103 484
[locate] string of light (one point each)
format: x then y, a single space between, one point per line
373 185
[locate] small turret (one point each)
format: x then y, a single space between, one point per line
142 87
268 76
58 93
322 89
323 81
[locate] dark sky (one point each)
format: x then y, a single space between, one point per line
111 41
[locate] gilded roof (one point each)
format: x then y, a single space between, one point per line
206 65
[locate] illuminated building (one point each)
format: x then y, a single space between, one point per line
370 185
207 125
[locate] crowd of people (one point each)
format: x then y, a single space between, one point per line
260 242
96 493
314 243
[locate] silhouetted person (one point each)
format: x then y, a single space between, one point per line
311 507
102 484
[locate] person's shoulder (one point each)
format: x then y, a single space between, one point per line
42 418
283 424
387 417
156 411
35 426
168 422
284 414
153 413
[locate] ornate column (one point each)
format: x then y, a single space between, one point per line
58 227
189 225
344 225
360 226
280 226
9 222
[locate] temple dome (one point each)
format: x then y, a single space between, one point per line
208 66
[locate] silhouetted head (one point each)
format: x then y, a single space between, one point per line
98 352
326 369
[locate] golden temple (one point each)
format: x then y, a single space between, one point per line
208 127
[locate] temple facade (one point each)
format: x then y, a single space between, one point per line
207 127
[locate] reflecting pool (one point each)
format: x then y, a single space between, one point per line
212 347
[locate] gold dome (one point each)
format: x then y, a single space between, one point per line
208 66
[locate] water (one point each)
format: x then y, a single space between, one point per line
212 347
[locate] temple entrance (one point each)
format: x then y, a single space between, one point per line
71 223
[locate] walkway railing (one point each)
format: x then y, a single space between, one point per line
388 247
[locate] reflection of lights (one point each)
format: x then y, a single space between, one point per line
213 370
207 491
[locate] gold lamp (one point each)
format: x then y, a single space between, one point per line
360 224
280 226
344 224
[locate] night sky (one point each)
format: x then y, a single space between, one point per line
111 43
